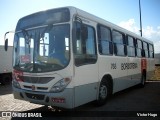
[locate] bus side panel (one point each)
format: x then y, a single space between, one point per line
125 71
112 65
134 70
85 80
85 93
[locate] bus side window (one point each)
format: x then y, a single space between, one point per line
131 46
145 48
104 40
139 48
119 43
151 51
85 47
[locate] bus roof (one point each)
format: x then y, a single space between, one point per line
107 23
99 20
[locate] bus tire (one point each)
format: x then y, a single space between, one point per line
143 80
104 92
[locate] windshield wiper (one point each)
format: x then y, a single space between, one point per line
48 28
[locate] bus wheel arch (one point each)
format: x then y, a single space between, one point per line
105 90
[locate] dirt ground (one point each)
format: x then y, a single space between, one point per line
156 73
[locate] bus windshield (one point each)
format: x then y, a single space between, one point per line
44 18
42 49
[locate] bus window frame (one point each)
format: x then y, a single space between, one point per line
146 50
134 45
115 43
151 45
74 42
139 48
111 50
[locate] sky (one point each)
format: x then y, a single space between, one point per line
124 13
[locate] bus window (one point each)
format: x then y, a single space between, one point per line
151 51
131 47
104 39
145 47
85 49
119 43
139 48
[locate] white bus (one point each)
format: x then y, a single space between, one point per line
5 65
66 57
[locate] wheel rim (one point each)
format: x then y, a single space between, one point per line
103 92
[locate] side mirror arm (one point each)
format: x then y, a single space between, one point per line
6 40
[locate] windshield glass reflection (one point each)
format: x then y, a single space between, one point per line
42 49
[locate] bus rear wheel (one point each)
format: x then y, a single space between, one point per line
104 92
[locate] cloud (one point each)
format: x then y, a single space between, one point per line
130 25
151 33
148 32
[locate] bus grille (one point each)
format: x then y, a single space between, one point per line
39 80
38 88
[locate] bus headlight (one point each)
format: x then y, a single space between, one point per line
16 84
60 85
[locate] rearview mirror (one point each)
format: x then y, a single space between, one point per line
6 40
6 45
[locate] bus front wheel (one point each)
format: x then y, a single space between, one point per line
104 92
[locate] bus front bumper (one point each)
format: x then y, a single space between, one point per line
61 99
